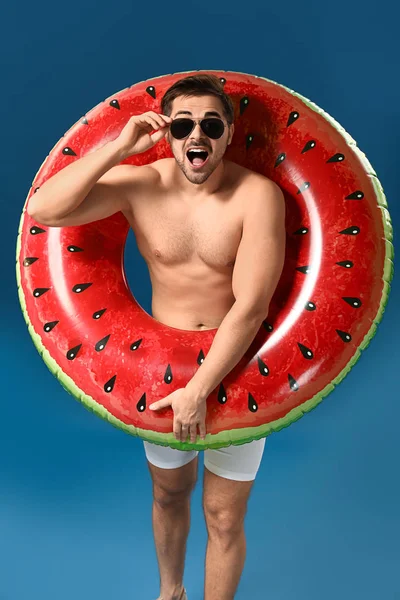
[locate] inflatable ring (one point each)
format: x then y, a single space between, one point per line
117 359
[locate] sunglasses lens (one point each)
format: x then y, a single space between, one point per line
180 128
213 127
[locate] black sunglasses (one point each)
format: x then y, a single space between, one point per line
211 126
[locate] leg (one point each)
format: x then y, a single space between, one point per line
172 487
228 479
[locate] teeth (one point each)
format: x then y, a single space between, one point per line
196 150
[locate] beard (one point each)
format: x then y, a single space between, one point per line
199 176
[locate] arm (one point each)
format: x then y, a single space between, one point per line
83 191
64 192
257 270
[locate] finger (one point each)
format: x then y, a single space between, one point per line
203 431
141 121
193 433
162 119
168 119
145 121
158 135
184 433
177 430
155 118
163 403
152 122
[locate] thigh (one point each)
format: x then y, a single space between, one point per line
173 471
239 463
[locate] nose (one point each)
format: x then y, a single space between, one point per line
196 130
198 135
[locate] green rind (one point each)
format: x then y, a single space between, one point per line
239 436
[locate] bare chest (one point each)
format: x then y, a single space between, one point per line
170 233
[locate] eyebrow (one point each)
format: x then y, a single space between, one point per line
209 113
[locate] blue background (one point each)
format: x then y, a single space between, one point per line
75 511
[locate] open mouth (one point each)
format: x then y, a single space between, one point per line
197 158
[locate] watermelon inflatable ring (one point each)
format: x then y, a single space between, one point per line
117 359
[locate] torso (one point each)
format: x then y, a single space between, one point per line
190 247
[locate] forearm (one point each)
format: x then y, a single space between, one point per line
65 191
233 338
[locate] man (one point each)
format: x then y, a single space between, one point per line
213 236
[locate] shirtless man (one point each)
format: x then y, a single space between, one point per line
212 234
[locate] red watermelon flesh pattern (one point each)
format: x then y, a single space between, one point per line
331 290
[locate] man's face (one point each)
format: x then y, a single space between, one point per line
198 107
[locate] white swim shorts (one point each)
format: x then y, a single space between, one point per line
239 463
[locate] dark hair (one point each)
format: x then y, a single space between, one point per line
198 85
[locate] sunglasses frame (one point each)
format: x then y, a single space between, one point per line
195 121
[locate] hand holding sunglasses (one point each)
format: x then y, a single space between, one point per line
138 134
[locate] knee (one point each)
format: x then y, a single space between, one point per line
222 521
169 498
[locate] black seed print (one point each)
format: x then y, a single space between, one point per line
249 140
346 337
357 195
294 115
306 352
40 291
109 386
301 231
252 404
262 367
293 383
35 230
168 375
74 249
29 261
200 357
84 121
348 264
98 313
222 80
136 344
222 397
354 302
338 157
101 344
305 269
49 326
35 190
151 90
244 102
267 326
353 230
305 186
310 306
280 159
81 287
73 352
115 104
68 151
309 146
141 405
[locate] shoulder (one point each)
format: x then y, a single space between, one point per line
264 185
259 193
253 181
132 182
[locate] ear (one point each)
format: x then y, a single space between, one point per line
231 132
